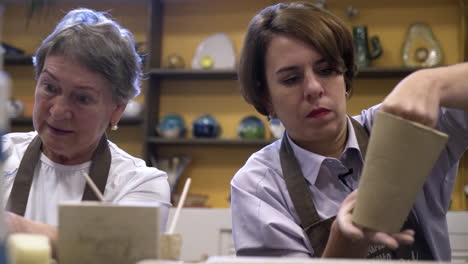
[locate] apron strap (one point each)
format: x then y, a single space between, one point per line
20 191
99 171
302 198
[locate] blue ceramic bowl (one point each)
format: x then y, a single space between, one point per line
251 127
171 126
206 126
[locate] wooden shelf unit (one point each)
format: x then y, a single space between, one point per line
18 60
203 18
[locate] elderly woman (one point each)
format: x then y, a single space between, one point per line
86 70
291 198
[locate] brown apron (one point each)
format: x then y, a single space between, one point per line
100 165
318 230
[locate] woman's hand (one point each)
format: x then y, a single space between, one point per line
416 98
19 224
358 233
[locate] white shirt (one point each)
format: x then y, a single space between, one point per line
129 180
265 222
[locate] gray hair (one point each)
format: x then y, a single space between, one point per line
100 44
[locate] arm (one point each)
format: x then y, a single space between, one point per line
18 224
419 96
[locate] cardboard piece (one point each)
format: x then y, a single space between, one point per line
399 158
93 232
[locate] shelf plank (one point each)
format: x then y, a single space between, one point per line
18 60
193 74
385 72
369 72
27 121
209 141
21 121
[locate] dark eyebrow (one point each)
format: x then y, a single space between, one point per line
290 68
321 61
285 69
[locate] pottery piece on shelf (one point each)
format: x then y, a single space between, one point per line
321 4
206 126
421 48
218 50
251 127
15 108
174 166
133 109
363 55
276 128
351 12
207 62
175 61
171 126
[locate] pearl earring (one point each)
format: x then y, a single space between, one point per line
114 127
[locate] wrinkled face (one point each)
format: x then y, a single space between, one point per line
307 95
73 107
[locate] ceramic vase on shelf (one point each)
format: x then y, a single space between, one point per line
134 109
363 55
421 48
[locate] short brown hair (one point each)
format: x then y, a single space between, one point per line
304 21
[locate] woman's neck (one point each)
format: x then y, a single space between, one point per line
70 158
329 147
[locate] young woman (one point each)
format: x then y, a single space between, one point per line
294 197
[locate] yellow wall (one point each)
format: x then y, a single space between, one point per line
187 22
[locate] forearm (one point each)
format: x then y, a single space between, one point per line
339 246
18 224
419 96
453 85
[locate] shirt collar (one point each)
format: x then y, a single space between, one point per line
352 142
310 162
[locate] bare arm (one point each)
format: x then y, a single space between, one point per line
19 224
419 96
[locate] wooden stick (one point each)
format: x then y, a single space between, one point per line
179 206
